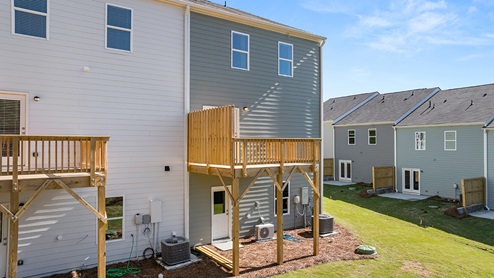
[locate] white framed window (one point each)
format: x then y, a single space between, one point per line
286 199
115 213
118 27
450 140
30 18
420 141
240 50
351 137
285 59
372 136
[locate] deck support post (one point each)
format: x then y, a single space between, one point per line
315 224
279 218
101 233
14 208
236 227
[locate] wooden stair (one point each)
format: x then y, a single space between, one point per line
225 262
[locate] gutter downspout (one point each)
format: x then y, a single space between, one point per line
186 111
321 128
394 158
485 170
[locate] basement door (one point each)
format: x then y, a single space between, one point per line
220 210
345 170
411 181
12 120
4 235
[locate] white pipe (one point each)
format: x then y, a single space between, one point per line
486 172
321 151
186 111
394 159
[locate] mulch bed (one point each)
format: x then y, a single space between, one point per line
453 212
365 194
257 259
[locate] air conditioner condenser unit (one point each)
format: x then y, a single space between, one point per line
264 232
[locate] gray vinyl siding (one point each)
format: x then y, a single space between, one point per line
136 98
440 169
363 155
328 131
278 107
490 168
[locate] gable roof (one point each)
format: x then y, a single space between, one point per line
220 11
334 108
455 106
388 108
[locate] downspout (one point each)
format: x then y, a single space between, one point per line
321 168
186 111
394 158
485 170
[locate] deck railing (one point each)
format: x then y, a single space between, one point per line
211 142
29 155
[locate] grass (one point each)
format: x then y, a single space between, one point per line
442 247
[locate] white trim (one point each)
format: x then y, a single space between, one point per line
369 136
241 51
364 124
415 141
7 237
486 172
412 171
287 198
445 140
186 111
394 158
115 218
481 124
47 15
354 137
284 59
131 46
228 209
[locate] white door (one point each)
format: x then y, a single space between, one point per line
220 210
12 120
4 235
345 170
411 181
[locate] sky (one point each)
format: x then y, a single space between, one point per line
392 45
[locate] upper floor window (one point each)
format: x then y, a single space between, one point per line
351 137
240 50
286 199
285 59
30 18
420 141
450 140
372 136
118 28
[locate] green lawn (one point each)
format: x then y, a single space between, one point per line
441 247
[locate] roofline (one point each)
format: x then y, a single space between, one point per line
441 125
260 23
489 121
437 90
356 107
364 124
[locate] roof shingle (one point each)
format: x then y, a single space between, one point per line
336 107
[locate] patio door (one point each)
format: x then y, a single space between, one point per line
411 181
4 235
345 170
221 216
12 120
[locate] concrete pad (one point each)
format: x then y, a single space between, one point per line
403 196
193 259
338 183
225 245
488 214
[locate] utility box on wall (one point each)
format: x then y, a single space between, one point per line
304 195
156 214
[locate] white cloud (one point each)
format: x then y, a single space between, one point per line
472 9
375 21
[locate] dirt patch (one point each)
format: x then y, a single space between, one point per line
257 259
365 194
453 212
416 268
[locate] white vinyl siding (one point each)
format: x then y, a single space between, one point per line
372 136
240 50
351 137
118 28
420 141
285 59
286 199
30 18
450 140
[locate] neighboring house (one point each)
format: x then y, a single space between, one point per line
442 142
271 73
336 108
96 68
489 160
365 137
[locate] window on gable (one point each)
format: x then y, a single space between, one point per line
285 59
115 213
351 137
450 140
286 199
118 28
420 141
240 50
372 136
30 18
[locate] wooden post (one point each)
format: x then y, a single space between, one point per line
315 224
102 225
14 208
236 227
279 218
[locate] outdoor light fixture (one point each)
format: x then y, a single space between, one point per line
246 109
36 98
